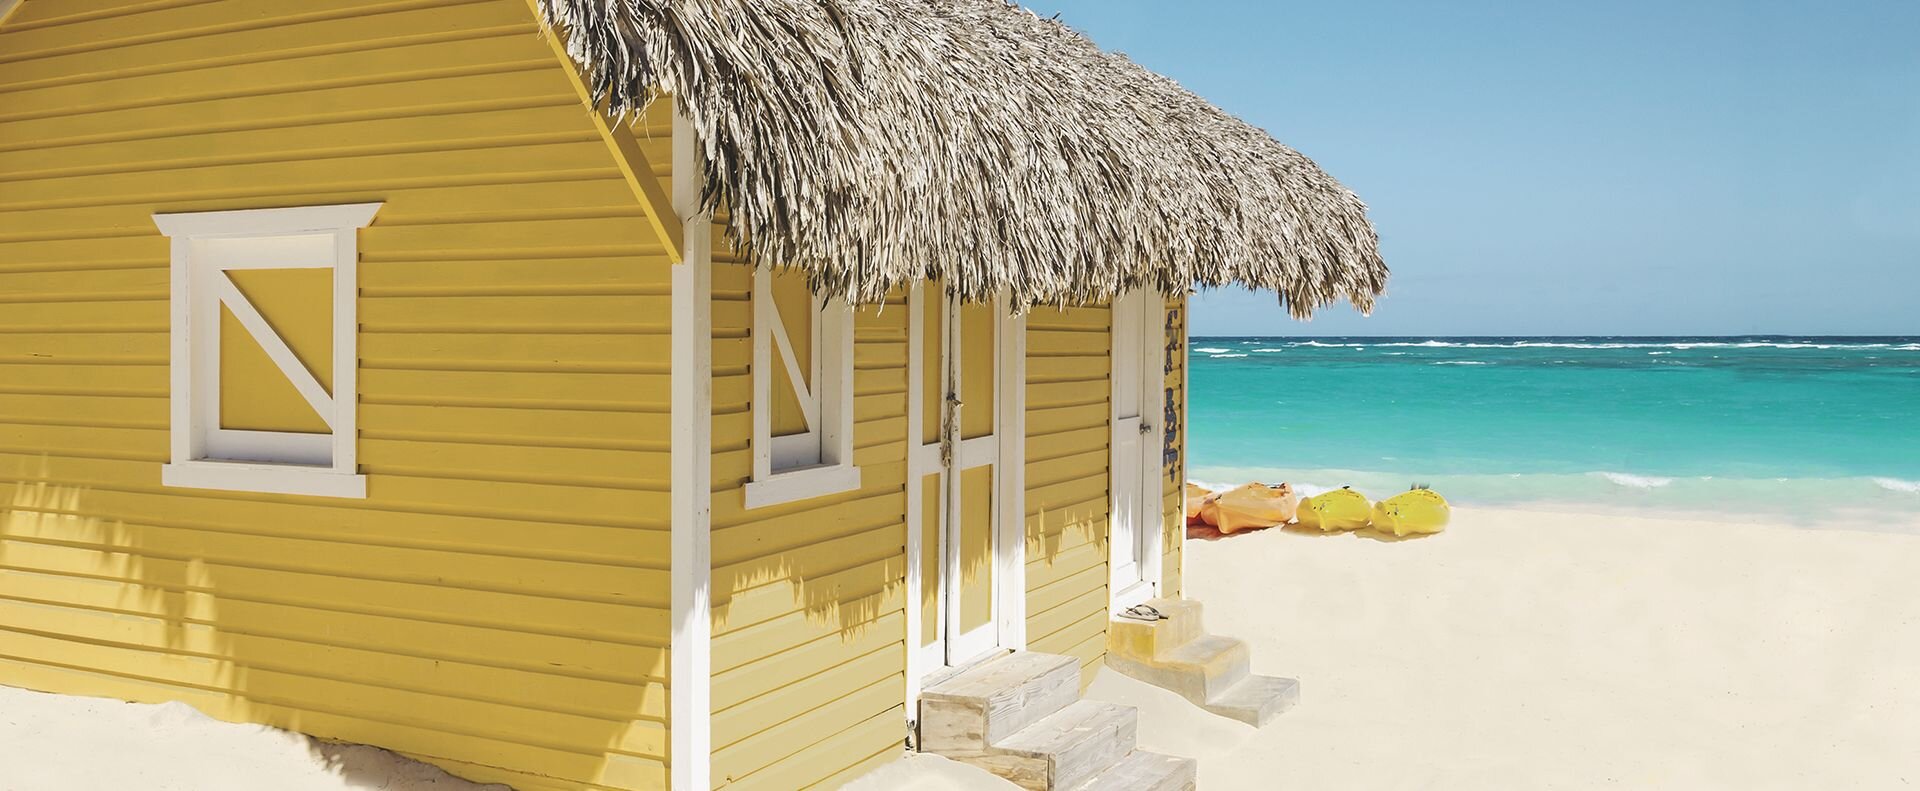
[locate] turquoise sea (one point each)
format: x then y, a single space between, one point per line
1815 430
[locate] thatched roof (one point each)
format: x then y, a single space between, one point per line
872 143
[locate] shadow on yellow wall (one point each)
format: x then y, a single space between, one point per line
106 607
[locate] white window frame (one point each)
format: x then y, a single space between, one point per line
819 461
205 246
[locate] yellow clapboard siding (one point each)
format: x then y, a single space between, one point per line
551 538
582 695
1064 469
121 544
498 604
808 588
1041 598
160 52
777 670
830 757
817 725
54 346
567 426
585 312
1174 473
1069 433
741 646
508 195
426 600
847 569
793 700
505 722
478 49
1071 622
384 633
1048 568
296 176
318 719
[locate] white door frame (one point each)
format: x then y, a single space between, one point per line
1144 314
928 663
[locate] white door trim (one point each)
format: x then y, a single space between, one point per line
691 567
1148 316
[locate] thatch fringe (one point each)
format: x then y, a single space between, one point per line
872 143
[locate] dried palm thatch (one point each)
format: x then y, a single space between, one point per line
871 143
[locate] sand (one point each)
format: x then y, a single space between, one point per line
1547 650
1538 650
66 743
1517 650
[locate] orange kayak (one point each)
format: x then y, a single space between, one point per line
1248 507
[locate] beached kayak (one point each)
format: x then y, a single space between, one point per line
1249 507
1196 499
1417 511
1340 509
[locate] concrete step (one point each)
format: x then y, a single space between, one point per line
1210 671
1151 639
1203 668
1255 700
1065 749
963 715
1216 663
1145 771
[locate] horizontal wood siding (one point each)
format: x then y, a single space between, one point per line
1173 469
499 602
1069 363
809 619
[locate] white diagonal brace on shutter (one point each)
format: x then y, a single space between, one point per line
276 349
809 405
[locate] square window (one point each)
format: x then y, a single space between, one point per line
263 349
802 392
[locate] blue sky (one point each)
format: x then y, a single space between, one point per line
1628 168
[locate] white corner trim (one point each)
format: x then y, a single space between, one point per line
796 485
690 682
264 478
1011 467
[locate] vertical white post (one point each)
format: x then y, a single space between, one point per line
691 668
1012 467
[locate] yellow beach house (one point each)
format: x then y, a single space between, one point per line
621 395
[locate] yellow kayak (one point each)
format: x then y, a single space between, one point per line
1417 511
1340 509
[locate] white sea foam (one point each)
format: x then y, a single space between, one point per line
1211 350
1897 485
1223 356
1608 345
1636 481
1268 351
1462 362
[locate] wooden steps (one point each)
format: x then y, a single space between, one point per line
1211 671
1020 716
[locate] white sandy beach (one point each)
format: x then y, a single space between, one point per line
1543 650
1517 650
67 743
1560 651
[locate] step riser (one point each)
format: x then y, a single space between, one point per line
1145 771
1067 769
1155 638
1196 683
965 726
